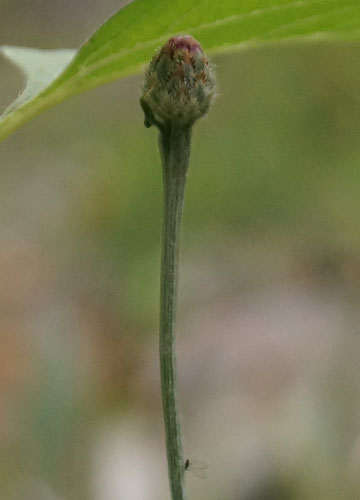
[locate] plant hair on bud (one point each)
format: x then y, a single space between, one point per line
179 84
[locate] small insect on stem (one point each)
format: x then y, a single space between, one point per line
197 467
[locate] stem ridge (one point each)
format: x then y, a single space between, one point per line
174 144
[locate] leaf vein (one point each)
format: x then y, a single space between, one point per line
87 70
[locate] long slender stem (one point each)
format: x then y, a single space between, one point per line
174 143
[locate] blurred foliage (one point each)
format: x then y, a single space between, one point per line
272 195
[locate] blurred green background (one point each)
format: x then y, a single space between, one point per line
268 337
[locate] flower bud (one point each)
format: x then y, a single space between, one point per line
179 84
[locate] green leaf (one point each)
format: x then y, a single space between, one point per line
128 39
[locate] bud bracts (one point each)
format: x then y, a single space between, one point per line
179 84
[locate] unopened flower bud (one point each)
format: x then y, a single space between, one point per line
179 84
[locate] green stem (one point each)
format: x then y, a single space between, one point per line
174 143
